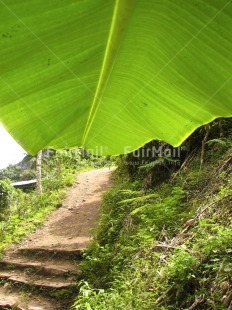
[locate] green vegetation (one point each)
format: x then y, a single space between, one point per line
12 172
171 61
22 212
111 76
165 245
163 240
26 212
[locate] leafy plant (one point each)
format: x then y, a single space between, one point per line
181 266
165 248
22 212
12 172
173 72
6 192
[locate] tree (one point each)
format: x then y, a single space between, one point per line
38 170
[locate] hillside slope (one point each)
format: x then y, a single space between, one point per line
165 246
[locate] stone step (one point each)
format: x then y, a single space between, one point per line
46 266
35 280
52 252
10 299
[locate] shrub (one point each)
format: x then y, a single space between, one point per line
5 194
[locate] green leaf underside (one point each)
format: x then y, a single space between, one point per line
113 74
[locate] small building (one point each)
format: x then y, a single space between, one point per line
24 185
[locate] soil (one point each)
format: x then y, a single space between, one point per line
48 259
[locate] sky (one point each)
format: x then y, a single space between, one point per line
10 151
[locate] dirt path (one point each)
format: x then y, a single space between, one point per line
45 264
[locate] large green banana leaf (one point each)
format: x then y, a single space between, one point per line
113 74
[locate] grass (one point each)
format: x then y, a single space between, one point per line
26 213
163 248
23 212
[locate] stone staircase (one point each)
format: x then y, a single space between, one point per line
36 279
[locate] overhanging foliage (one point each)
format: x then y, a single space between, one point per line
113 73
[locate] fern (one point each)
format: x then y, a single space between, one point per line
221 141
160 161
138 200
